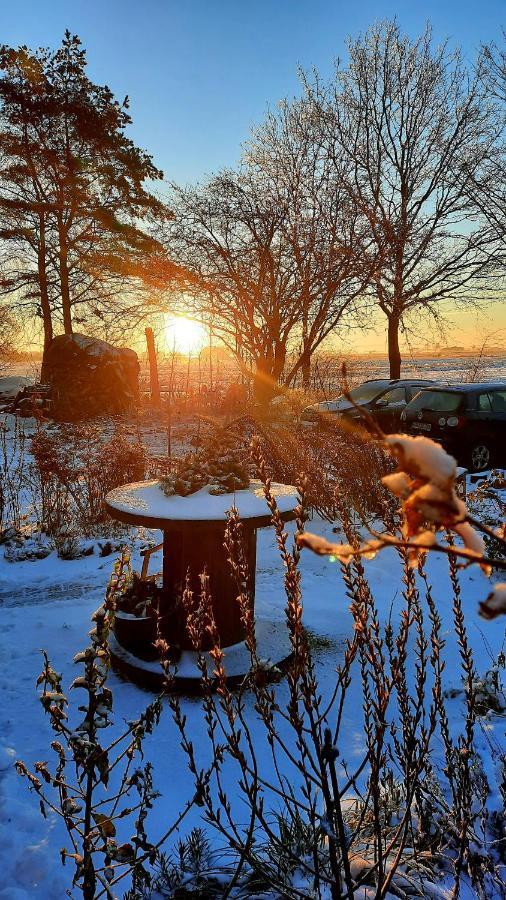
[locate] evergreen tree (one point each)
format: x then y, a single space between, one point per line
74 207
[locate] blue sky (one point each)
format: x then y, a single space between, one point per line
200 72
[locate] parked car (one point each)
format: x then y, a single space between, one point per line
383 399
469 420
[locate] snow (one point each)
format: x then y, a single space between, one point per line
147 500
322 547
273 646
495 604
48 604
399 483
10 386
341 404
93 346
472 540
424 539
422 457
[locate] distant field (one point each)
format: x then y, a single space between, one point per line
183 377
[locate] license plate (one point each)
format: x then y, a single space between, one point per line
422 426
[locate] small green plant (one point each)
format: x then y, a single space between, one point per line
188 871
134 594
222 463
490 690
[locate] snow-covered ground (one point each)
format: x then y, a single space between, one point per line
47 603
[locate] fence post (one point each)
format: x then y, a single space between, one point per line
153 368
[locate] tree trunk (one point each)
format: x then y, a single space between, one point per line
45 307
64 279
306 370
268 371
264 385
306 353
394 354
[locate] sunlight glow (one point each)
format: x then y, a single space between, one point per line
184 335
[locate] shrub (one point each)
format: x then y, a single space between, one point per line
12 474
96 785
74 469
335 460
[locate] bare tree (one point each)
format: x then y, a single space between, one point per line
9 332
414 128
493 68
226 234
487 188
270 261
323 229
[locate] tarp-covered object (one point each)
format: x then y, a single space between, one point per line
90 377
11 385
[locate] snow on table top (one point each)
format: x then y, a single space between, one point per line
147 500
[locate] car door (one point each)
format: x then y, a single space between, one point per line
388 407
493 416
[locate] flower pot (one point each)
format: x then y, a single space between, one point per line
136 634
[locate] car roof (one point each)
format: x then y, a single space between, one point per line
469 387
393 381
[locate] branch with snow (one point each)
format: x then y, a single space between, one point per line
495 604
425 484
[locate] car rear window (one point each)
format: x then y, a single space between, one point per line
398 395
492 401
365 392
439 401
498 401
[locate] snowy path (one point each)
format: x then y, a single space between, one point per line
39 596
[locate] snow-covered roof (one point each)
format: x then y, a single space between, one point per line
10 385
94 346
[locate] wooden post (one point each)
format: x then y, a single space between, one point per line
188 380
169 430
192 549
153 368
169 404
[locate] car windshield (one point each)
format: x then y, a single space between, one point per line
366 392
439 401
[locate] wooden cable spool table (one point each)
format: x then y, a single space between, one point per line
193 533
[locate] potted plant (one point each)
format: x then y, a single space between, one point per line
221 465
137 602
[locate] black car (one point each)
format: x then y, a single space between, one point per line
383 399
469 420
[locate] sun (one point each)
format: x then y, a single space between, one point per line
184 335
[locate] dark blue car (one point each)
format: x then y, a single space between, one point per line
469 420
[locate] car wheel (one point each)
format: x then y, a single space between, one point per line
479 456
